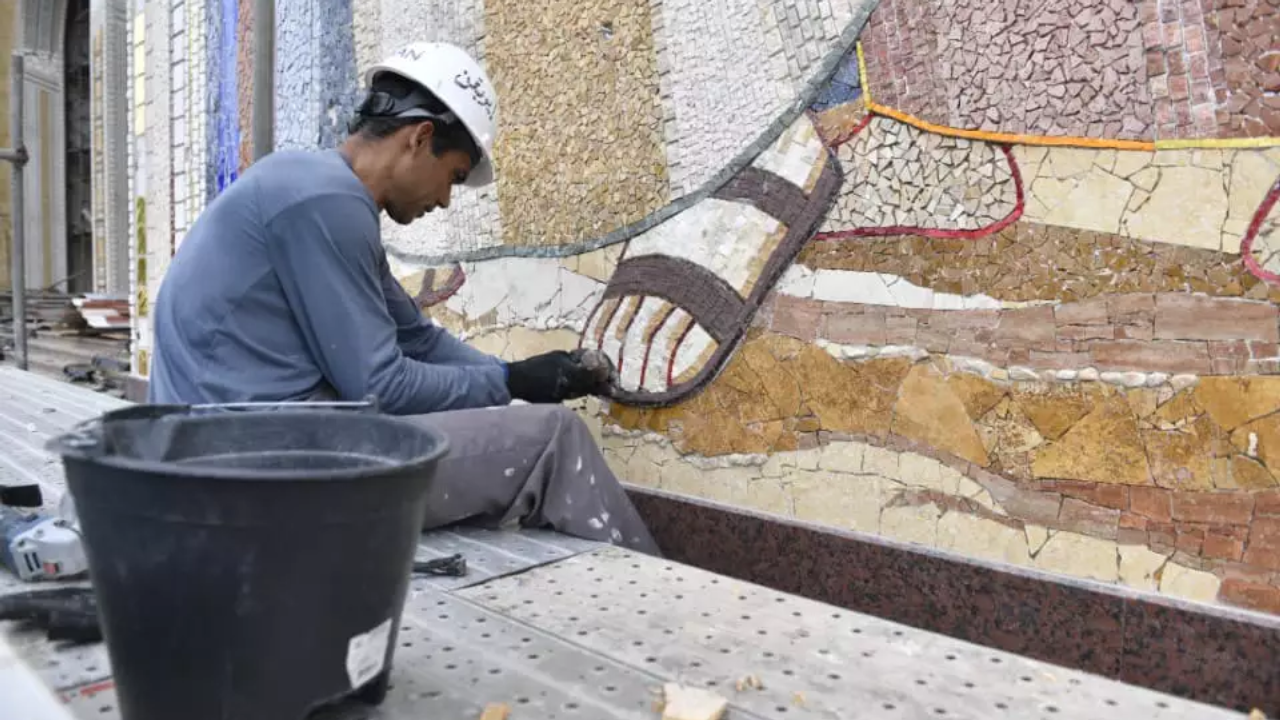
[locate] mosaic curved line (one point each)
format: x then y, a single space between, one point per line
1263 236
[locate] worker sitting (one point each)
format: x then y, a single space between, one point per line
282 291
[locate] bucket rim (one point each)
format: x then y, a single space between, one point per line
75 446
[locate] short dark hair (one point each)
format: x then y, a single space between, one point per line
447 136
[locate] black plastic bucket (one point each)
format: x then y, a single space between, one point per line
248 564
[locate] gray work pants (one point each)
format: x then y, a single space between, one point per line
531 466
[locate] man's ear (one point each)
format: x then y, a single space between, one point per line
422 134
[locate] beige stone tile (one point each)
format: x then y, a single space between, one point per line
1029 159
767 495
1187 207
1065 162
881 461
920 471
917 524
1138 567
1036 537
843 457
1092 201
1252 175
1190 584
1129 162
982 538
851 502
1079 555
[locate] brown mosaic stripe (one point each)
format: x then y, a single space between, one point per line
1029 261
1145 332
803 224
769 193
711 301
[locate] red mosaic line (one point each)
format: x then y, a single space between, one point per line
430 298
625 331
648 347
939 233
1246 244
675 352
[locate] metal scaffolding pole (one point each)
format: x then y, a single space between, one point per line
17 157
264 79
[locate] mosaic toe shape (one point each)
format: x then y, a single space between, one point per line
684 292
902 180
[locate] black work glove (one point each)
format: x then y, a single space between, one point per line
67 613
558 376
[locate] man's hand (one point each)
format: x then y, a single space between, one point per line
558 376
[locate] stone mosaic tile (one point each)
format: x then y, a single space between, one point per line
904 495
244 82
1247 68
808 388
1029 261
1261 244
1128 338
1198 198
845 86
899 177
1089 458
709 268
1073 68
316 77
1183 58
472 221
740 59
600 164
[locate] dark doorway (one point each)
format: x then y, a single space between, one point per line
79 147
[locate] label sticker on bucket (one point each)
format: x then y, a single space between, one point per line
367 654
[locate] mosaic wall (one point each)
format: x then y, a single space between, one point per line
1000 279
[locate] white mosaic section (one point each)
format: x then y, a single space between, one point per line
729 67
472 221
868 288
155 147
197 81
794 154
536 293
724 237
899 176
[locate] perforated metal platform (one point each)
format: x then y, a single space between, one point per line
34 409
560 628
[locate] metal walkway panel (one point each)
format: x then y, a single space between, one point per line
814 660
494 553
33 410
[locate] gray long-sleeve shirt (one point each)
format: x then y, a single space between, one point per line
282 290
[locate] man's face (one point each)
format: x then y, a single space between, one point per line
422 180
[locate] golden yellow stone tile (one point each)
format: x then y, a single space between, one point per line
1104 446
1188 458
977 393
1053 410
580 150
927 410
1179 410
1234 401
1260 439
1009 438
1249 474
852 398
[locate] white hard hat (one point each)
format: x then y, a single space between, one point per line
454 77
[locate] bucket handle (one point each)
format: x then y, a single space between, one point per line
85 437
